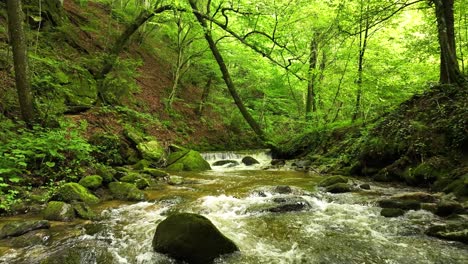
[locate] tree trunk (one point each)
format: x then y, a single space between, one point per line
20 58
225 72
311 102
206 93
121 42
363 37
449 71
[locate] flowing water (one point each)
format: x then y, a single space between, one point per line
333 228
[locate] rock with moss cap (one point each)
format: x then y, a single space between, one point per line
137 179
191 238
189 160
19 228
338 188
72 191
106 172
332 180
59 211
126 191
451 231
151 150
83 211
91 182
156 173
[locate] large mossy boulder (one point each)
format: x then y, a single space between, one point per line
189 160
332 180
19 228
72 191
452 231
156 173
59 211
151 150
191 238
91 182
137 179
126 191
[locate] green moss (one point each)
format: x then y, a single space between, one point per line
84 211
22 227
332 180
71 192
142 164
338 188
392 212
151 150
91 182
126 191
59 211
175 156
191 161
155 172
106 173
135 178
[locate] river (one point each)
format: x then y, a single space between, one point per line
333 228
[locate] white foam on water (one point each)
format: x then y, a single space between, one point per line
263 156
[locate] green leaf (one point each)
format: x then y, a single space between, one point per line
50 164
15 179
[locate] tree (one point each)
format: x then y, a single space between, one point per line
449 71
225 72
20 59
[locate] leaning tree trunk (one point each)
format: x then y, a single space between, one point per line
20 59
225 72
449 71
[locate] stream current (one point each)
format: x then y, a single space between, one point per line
333 228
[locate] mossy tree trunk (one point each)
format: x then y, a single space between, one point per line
449 70
20 59
225 72
121 43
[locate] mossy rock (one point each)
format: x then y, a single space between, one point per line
452 232
446 208
111 149
142 164
191 161
338 188
135 178
19 228
155 172
151 150
126 191
332 180
82 252
176 155
83 211
392 212
72 191
175 180
81 90
59 211
33 238
133 135
400 204
91 182
106 172
191 238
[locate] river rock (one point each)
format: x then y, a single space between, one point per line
249 161
18 228
59 211
421 197
91 182
392 212
332 180
452 231
156 173
135 178
126 191
72 191
175 180
278 162
33 238
151 150
365 186
191 238
338 188
189 160
400 204
288 204
283 189
302 164
83 211
446 208
88 251
231 163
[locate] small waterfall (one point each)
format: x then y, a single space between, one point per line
263 156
